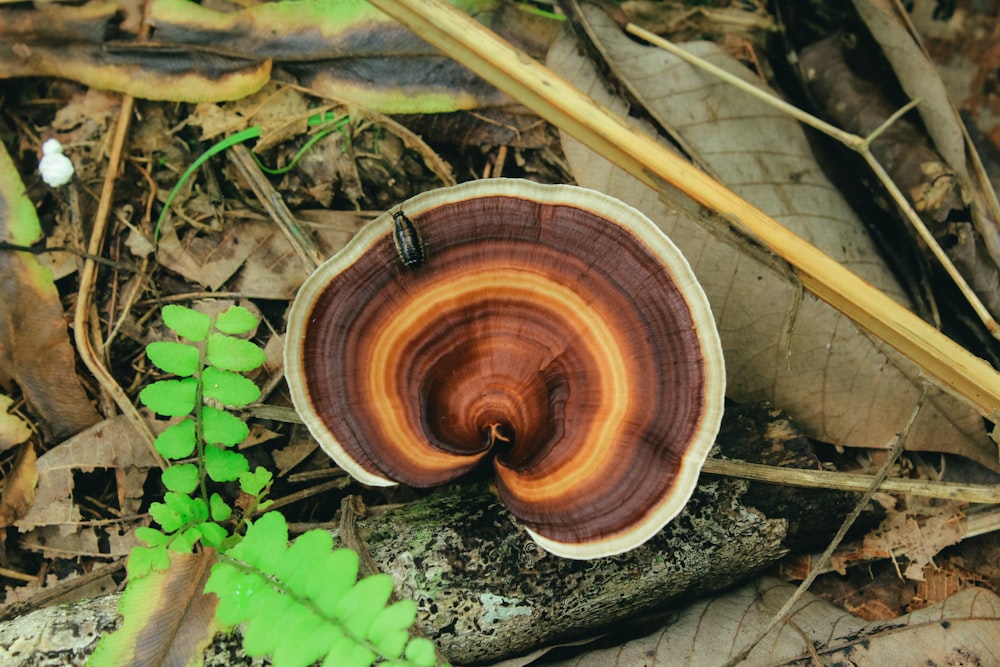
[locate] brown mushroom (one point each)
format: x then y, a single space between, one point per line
551 327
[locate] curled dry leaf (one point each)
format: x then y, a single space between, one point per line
168 620
959 630
19 487
13 429
34 345
781 345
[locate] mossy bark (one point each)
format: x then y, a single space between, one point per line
485 590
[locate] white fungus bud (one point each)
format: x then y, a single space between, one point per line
56 169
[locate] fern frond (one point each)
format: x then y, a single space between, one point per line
302 602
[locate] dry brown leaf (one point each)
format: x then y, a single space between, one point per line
111 444
168 620
918 534
34 343
67 541
19 486
959 630
756 150
211 258
274 271
13 429
838 383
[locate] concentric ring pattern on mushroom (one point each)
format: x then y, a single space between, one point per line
551 332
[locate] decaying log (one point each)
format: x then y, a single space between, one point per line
483 589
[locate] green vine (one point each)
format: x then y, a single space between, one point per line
300 601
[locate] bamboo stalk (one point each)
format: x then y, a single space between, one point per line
476 47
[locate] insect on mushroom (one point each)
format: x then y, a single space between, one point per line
561 336
408 243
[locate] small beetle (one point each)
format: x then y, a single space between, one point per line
408 243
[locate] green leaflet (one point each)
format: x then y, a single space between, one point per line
177 441
236 320
234 354
186 322
301 602
222 428
176 358
171 398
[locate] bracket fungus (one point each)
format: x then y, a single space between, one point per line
551 328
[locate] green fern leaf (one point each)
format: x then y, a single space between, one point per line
236 591
348 653
253 483
236 320
303 643
218 508
186 322
337 571
234 354
181 478
302 565
273 614
390 631
143 560
229 388
151 537
223 465
186 539
358 609
168 518
212 534
177 441
222 427
265 543
301 602
171 398
421 653
177 358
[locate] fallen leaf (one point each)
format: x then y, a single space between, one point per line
76 541
920 79
781 345
167 618
210 258
918 534
112 443
959 630
19 487
856 100
274 271
13 429
34 344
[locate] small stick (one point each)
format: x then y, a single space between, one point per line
88 279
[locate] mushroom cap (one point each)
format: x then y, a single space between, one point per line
551 327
